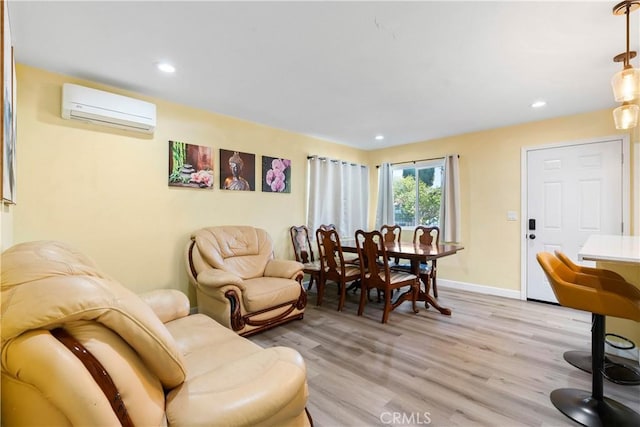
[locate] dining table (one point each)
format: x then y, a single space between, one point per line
415 253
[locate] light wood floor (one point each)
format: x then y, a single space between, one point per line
492 363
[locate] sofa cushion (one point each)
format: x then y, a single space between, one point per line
206 344
228 373
268 292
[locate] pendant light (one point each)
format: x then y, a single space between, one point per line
626 83
626 116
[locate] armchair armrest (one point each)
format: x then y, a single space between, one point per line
283 268
167 304
216 278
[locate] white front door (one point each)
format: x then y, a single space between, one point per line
572 192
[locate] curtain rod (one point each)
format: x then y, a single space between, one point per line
344 162
416 161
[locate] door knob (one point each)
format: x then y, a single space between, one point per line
532 236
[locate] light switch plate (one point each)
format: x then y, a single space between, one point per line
512 216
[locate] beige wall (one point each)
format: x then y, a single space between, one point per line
105 191
490 186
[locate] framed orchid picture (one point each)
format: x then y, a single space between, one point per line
190 165
276 175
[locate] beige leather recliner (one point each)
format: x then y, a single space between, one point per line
168 367
239 283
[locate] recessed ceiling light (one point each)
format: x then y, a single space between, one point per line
166 67
538 104
379 137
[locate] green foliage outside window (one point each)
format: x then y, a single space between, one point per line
404 198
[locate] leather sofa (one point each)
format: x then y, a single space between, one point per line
78 348
239 283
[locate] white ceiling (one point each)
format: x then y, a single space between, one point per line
341 71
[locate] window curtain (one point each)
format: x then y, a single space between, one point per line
384 211
338 193
450 206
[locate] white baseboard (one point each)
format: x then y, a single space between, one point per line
481 289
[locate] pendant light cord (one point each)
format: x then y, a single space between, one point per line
626 57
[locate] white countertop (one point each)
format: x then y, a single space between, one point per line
604 247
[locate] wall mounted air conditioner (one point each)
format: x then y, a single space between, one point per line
109 109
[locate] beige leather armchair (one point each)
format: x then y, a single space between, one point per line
78 348
239 283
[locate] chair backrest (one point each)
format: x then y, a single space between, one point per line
330 253
391 233
238 249
327 227
374 262
301 244
426 235
587 270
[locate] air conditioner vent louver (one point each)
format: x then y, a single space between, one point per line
109 109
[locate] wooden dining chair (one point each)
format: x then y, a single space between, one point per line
328 227
348 258
378 275
303 252
391 233
428 236
333 266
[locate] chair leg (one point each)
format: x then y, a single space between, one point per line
312 278
320 285
433 278
414 297
343 295
435 288
364 293
387 306
593 409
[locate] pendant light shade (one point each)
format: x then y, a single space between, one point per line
626 116
626 84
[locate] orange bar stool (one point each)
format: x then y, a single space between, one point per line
616 369
602 297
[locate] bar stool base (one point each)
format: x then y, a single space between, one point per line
580 406
616 369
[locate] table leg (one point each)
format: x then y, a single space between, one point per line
424 295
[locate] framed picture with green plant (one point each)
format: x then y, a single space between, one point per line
190 165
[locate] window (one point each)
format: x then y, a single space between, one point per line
417 204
